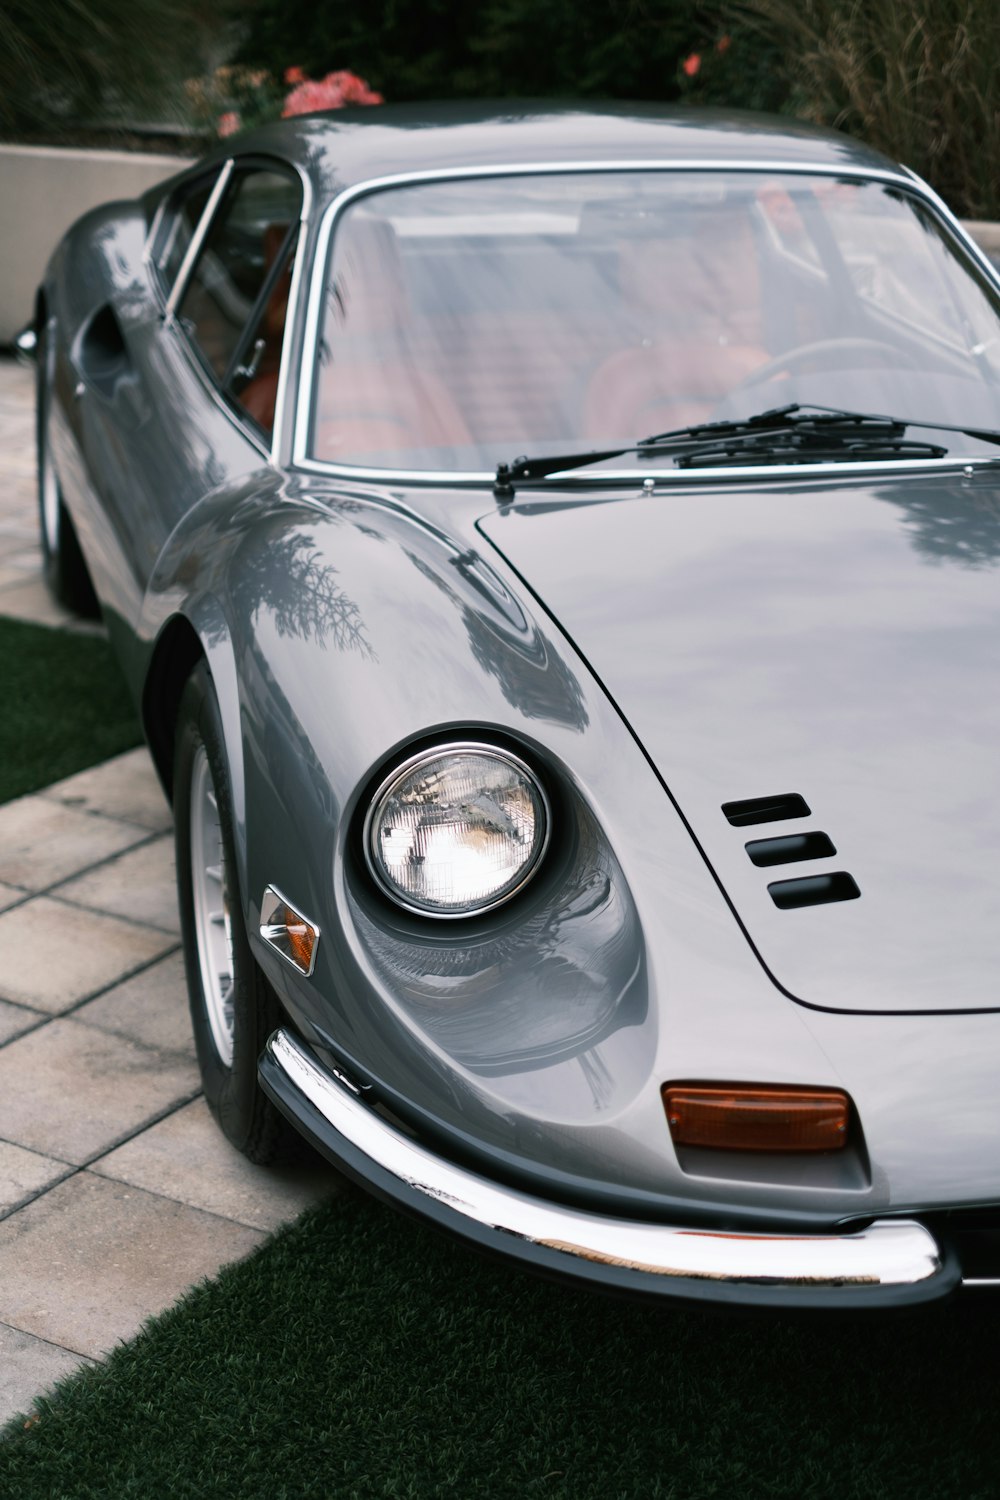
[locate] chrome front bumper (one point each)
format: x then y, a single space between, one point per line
891 1262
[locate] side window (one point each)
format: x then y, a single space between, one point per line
254 379
177 228
234 305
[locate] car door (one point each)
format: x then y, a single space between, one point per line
202 352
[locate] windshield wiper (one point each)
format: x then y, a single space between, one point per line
784 434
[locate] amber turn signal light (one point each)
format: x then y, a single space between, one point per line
288 931
301 939
744 1117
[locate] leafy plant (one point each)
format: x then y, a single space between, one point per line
738 66
433 49
236 97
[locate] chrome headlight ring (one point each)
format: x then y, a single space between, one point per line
456 830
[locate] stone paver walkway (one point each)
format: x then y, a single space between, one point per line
117 1191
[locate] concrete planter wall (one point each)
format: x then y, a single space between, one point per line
42 190
986 236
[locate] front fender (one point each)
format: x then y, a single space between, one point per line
342 632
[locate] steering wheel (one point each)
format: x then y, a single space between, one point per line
787 364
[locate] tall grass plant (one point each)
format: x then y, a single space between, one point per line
918 79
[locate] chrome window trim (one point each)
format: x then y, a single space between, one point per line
153 231
211 384
213 389
197 239
902 177
288 339
192 175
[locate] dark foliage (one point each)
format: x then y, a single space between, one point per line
63 64
427 49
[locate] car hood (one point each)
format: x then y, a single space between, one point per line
836 640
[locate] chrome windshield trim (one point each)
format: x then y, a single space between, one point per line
333 210
594 478
291 321
191 254
889 1253
958 229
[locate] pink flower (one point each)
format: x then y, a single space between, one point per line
331 92
355 89
294 76
724 43
229 123
691 64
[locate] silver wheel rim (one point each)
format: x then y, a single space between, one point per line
49 487
210 894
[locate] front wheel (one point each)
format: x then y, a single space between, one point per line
233 1008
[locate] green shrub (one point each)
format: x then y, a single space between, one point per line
737 66
433 49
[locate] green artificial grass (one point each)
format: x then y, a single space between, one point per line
359 1354
65 706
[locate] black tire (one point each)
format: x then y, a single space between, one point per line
245 1114
65 570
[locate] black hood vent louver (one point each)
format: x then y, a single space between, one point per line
766 809
792 848
814 890
786 851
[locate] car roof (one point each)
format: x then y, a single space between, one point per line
339 149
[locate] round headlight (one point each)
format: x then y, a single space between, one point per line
456 830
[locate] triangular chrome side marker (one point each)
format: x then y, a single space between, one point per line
288 932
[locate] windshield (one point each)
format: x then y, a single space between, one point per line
467 321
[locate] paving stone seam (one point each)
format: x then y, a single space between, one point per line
52 1345
15 1208
102 911
66 1348
123 978
150 837
45 794
140 1187
75 1168
40 1019
148 1123
206 1213
53 889
168 1054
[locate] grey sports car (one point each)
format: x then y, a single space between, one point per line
555 556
